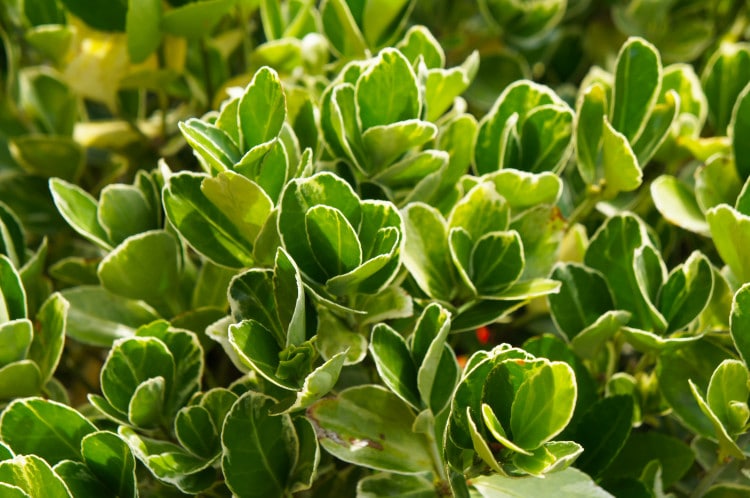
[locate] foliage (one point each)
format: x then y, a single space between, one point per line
365 248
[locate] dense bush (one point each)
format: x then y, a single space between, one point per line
374 248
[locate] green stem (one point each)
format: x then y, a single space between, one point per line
709 478
593 196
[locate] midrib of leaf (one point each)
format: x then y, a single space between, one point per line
263 455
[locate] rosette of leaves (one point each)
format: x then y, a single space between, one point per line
273 334
624 118
475 261
507 408
623 285
376 116
529 128
147 378
140 276
50 449
30 348
249 154
342 245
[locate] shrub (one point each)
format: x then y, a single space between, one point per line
339 248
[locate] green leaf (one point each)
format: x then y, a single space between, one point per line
124 211
569 483
337 248
674 456
584 296
319 383
79 210
19 379
145 266
196 431
335 336
612 252
686 292
728 447
196 19
258 349
395 364
727 395
298 197
523 21
12 236
262 109
522 189
438 371
739 128
657 128
12 293
387 92
740 321
109 458
589 341
420 42
470 390
678 205
34 476
591 109
341 29
723 78
98 317
519 98
214 147
395 485
142 26
621 170
443 86
637 83
542 229
369 426
49 156
170 463
221 231
81 482
131 362
412 169
305 471
146 405
546 138
543 405
259 450
482 210
426 254
730 231
498 432
717 182
695 361
15 339
603 431
45 428
497 260
484 312
49 337
385 143
382 21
